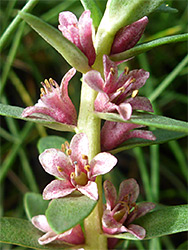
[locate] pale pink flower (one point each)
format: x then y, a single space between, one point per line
73 236
73 169
54 103
78 32
120 212
128 36
115 133
118 94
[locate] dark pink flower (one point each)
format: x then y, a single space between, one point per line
127 37
121 211
115 133
73 169
73 236
118 94
78 32
54 102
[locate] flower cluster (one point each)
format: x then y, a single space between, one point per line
70 164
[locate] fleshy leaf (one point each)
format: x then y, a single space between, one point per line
16 112
63 214
67 49
165 221
34 204
50 141
96 13
161 135
141 48
166 8
21 232
148 120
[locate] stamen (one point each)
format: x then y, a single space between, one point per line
84 157
122 90
43 92
112 71
63 148
126 71
87 167
134 93
72 175
69 151
132 80
67 144
46 82
59 169
52 82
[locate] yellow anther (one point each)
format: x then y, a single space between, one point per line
67 144
63 147
84 157
59 169
52 82
112 71
72 175
126 71
87 168
69 151
134 93
132 80
46 82
122 89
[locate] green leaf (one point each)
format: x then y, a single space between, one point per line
50 141
148 120
165 221
141 48
21 232
65 213
68 50
96 13
34 204
16 112
161 135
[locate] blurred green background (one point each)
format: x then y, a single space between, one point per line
27 59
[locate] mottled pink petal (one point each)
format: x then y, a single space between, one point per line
57 189
144 134
140 103
67 18
110 74
53 158
143 208
102 164
125 110
90 190
94 80
85 32
129 188
79 146
128 36
110 195
41 223
73 236
137 231
117 132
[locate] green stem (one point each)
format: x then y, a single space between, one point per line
90 125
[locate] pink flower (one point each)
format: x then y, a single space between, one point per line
128 36
115 133
78 32
73 169
118 94
120 212
72 236
54 102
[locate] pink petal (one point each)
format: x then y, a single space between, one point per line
143 208
102 164
47 238
90 190
67 18
53 158
115 133
79 146
72 236
110 74
85 32
144 134
125 110
65 81
129 188
110 195
128 36
137 231
94 80
57 189
41 223
140 103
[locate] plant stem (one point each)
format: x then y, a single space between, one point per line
90 125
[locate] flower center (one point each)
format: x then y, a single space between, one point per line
119 215
80 179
